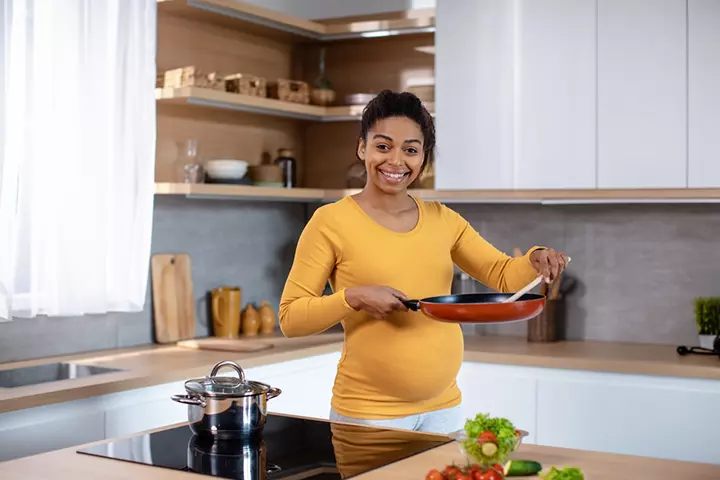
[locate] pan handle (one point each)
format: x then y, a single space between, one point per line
413 305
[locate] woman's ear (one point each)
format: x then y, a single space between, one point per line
361 150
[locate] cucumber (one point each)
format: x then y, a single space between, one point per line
522 468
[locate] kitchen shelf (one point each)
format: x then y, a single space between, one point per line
206 97
541 197
263 21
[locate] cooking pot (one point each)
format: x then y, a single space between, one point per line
226 407
481 308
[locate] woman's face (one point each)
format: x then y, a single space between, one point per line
393 153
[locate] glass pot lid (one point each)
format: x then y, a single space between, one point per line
214 386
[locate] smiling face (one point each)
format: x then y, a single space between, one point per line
393 154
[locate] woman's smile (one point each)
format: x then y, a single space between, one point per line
392 176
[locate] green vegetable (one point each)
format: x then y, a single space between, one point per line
707 315
568 473
503 429
522 468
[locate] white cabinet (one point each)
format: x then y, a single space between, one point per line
630 414
704 93
474 94
39 430
642 93
306 385
556 125
500 391
144 415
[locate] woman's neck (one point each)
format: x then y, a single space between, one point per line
379 200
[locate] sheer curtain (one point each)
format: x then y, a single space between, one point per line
77 154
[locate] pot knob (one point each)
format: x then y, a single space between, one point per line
231 364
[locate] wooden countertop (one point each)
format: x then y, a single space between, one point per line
155 365
614 357
67 463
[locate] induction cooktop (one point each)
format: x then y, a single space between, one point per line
289 448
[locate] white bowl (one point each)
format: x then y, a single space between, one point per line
226 169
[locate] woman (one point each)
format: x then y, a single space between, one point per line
382 246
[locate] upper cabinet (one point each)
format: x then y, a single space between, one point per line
474 94
642 93
555 128
704 93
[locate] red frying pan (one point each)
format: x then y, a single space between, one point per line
483 308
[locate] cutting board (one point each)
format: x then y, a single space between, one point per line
173 299
226 344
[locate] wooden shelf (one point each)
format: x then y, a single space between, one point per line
543 197
263 21
205 97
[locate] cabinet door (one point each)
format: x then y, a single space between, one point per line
642 93
144 416
556 127
48 432
474 94
661 418
704 93
500 391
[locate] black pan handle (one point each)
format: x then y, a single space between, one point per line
413 305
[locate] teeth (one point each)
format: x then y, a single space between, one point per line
393 175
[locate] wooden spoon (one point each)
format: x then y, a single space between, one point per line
526 288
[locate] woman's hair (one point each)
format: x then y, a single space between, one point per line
392 104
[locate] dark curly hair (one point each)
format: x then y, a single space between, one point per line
393 104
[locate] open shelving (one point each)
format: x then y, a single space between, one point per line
205 97
542 197
263 21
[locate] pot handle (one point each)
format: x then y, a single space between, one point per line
189 400
413 305
273 392
231 364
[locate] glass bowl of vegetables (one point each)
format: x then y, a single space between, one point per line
488 441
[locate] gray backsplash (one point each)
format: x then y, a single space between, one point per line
639 267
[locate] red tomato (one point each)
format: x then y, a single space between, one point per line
451 471
462 476
434 475
491 474
486 437
498 467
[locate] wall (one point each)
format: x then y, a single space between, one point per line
230 243
639 266
318 9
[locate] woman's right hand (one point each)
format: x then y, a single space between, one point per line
379 302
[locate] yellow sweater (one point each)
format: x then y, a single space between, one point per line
407 363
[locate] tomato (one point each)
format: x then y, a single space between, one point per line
462 476
478 475
490 474
434 475
451 471
487 437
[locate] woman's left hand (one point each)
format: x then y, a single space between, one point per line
549 263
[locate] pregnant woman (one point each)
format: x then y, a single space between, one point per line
398 368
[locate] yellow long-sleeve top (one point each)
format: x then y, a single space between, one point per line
406 363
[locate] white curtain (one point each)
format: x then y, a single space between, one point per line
77 154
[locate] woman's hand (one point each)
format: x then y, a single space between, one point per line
377 301
549 263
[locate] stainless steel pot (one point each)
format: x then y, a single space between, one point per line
226 407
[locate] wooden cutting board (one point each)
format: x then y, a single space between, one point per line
173 299
226 344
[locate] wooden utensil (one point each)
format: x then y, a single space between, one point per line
173 303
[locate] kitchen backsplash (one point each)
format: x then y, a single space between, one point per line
247 244
639 267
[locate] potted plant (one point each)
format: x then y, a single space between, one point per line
707 317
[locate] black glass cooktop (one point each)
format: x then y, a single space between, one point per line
289 448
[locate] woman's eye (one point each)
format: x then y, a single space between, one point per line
383 147
412 151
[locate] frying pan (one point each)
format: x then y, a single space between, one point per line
483 308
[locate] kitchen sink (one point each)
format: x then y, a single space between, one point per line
52 372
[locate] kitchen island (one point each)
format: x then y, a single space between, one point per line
359 445
566 394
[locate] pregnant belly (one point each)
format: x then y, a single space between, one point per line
406 364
